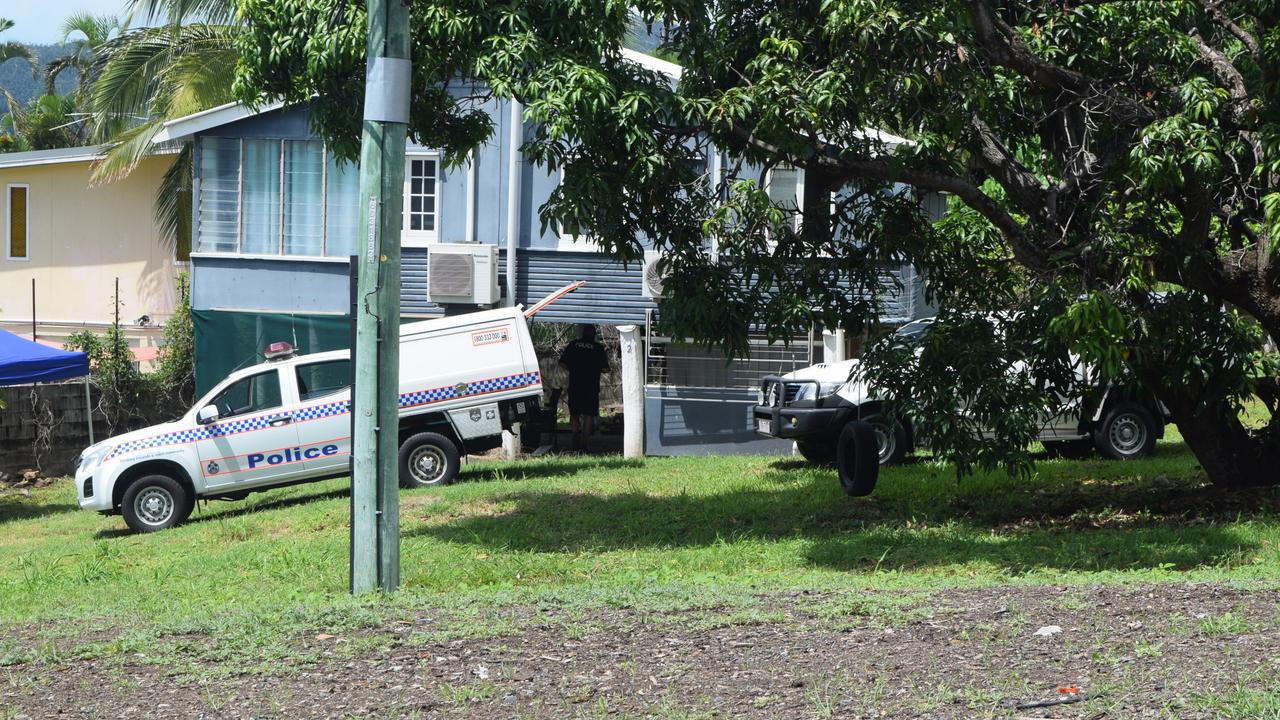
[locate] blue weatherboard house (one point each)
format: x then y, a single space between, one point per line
275 219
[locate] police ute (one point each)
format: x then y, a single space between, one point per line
463 380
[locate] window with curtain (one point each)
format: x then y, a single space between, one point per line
342 214
219 219
288 198
17 226
260 231
303 197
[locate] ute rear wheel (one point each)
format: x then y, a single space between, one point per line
155 502
428 459
1127 431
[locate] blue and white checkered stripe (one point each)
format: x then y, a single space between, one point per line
482 387
316 412
234 427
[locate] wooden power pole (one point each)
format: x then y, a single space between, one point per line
375 489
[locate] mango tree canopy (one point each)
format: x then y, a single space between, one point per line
23 361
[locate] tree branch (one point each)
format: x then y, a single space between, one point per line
1024 248
1008 50
1226 73
1219 18
1024 188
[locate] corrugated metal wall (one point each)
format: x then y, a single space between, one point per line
612 293
413 284
610 297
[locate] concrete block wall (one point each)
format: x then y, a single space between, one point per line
62 407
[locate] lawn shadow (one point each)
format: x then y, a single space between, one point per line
244 508
915 519
480 472
15 507
555 466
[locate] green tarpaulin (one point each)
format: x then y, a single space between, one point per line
229 340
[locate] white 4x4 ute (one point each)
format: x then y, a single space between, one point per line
813 405
463 380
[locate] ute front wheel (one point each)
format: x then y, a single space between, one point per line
155 502
818 452
891 438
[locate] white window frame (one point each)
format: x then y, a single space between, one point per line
570 242
8 221
799 198
420 238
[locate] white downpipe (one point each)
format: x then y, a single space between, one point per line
833 346
515 139
716 170
470 233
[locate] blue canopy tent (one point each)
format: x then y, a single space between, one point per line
24 361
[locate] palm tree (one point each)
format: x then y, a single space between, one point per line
10 50
148 76
95 32
44 124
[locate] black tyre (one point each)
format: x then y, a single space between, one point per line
1068 448
857 458
428 459
891 439
155 502
818 452
1127 431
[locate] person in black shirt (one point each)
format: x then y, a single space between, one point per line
585 360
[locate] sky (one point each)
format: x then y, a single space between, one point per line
39 21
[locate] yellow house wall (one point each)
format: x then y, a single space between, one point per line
81 239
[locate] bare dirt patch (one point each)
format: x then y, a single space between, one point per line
1185 651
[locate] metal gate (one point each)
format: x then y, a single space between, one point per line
697 402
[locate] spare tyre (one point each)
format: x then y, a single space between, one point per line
858 458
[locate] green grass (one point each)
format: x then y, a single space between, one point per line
1242 702
248 584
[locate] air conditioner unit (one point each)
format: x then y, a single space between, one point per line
653 275
462 274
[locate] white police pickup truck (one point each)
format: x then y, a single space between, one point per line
463 380
813 405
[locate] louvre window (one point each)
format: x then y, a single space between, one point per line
295 198
342 221
303 197
260 197
219 218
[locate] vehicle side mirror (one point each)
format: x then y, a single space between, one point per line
207 414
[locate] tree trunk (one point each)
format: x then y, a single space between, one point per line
1232 455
